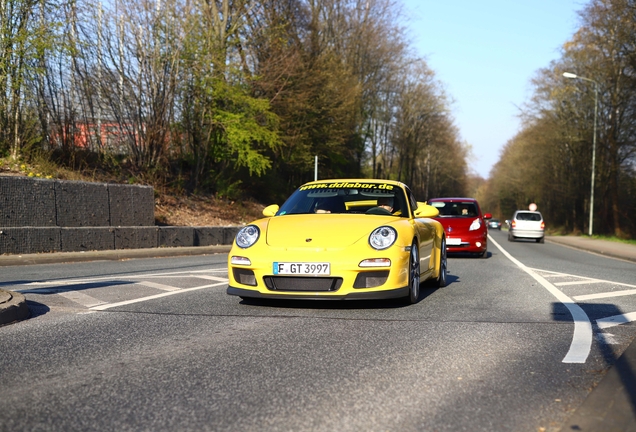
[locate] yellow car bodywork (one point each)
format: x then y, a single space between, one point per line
356 269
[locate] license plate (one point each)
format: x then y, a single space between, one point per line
453 241
296 268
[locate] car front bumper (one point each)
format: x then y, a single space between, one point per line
471 242
368 295
347 279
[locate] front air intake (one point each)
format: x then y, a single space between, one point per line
291 284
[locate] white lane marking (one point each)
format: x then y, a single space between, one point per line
551 273
75 296
158 286
156 296
81 298
214 278
125 277
616 283
579 282
581 344
582 279
615 320
605 295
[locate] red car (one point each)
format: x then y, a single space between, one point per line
464 225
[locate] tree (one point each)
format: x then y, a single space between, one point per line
549 161
22 36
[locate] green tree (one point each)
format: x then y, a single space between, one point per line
23 35
224 125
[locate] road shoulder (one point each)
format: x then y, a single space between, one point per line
612 249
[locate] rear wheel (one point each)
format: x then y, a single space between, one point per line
510 237
414 274
541 240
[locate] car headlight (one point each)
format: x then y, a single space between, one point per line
475 225
247 236
382 238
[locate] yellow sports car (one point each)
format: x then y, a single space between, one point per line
340 239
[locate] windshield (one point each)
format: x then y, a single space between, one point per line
456 209
528 216
353 198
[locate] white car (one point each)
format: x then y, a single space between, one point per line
527 224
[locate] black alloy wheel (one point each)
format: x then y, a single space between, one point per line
414 274
442 275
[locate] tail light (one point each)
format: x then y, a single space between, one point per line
542 225
513 224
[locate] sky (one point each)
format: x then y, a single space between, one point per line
485 52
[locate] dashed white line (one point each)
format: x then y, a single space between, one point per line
582 338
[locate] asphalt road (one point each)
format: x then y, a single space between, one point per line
156 344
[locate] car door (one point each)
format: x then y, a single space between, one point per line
425 232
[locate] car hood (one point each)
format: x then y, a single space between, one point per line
322 231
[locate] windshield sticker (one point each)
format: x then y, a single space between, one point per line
348 185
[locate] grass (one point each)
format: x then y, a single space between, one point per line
614 239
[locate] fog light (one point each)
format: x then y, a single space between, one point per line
375 262
239 260
478 244
244 276
371 279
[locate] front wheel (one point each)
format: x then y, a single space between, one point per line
414 274
442 274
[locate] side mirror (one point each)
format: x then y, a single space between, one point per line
270 210
425 211
488 216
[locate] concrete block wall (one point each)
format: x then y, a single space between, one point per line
39 215
130 205
22 240
27 202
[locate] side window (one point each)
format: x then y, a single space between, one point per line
411 199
